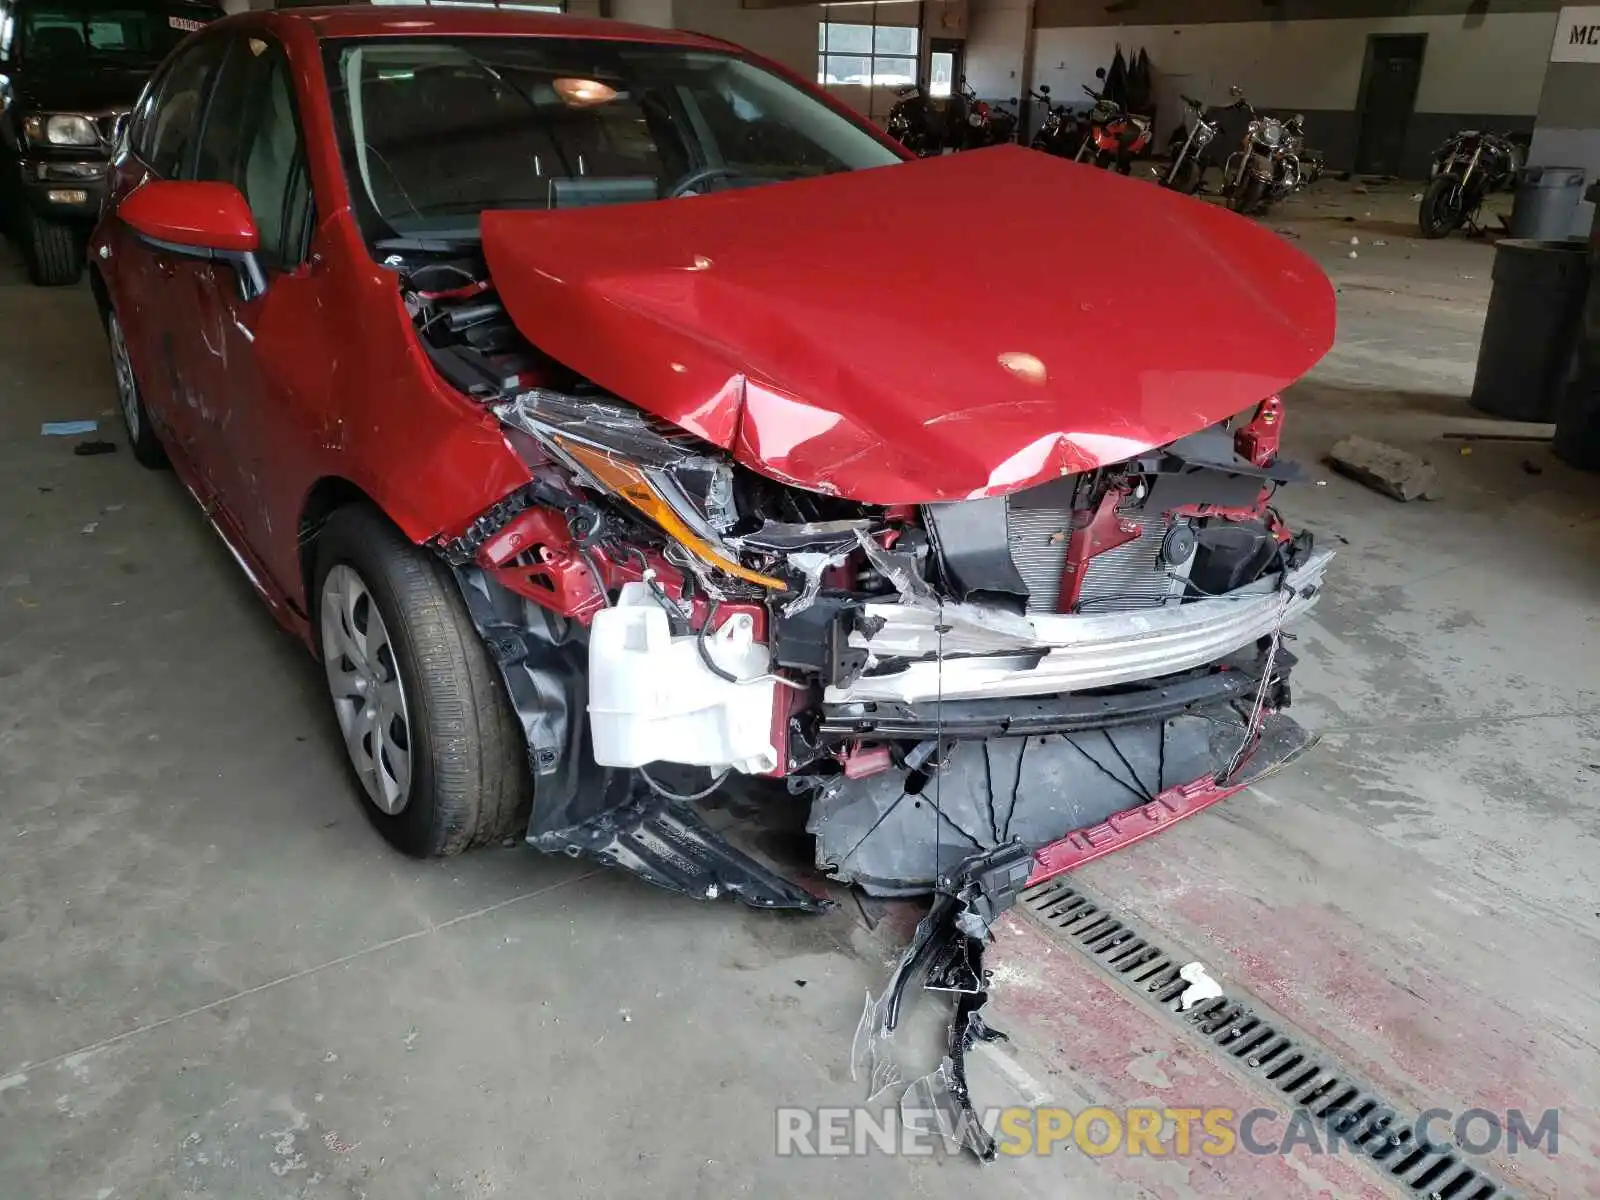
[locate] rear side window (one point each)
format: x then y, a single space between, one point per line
252 140
168 134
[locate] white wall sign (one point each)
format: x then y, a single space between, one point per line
1577 35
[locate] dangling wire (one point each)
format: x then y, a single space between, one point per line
667 793
938 752
1252 725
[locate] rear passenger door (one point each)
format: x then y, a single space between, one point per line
152 287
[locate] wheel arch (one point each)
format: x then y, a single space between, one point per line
325 497
102 294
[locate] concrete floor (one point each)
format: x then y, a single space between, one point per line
215 980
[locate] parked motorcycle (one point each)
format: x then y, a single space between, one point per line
1271 163
986 124
916 123
1116 137
1466 169
1061 132
1190 149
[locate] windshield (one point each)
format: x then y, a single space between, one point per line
434 132
72 32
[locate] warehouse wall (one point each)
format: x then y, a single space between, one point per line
643 12
1484 67
786 34
1567 133
999 36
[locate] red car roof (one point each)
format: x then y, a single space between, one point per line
374 20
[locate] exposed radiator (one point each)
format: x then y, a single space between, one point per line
1129 576
1132 575
1037 538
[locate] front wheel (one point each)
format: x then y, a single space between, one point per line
1443 207
1249 195
54 251
429 730
1185 177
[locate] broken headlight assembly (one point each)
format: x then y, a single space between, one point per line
685 490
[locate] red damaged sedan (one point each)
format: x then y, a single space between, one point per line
619 419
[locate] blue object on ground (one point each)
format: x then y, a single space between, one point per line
67 428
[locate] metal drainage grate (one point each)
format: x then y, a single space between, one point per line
1267 1050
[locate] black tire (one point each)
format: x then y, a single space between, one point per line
1186 178
469 771
1441 211
142 441
54 251
1249 195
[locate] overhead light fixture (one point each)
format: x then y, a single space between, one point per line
582 92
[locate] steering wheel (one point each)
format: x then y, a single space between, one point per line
695 178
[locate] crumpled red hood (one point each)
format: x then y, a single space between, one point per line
943 329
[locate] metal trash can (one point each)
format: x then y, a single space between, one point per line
1577 415
1535 308
1546 203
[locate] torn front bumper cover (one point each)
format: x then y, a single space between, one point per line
1039 728
1011 749
964 651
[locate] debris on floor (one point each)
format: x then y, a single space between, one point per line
1201 986
1384 468
85 449
67 428
1486 429
947 950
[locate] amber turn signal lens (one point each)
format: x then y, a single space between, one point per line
625 480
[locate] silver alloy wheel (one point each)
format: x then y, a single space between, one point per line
368 694
122 366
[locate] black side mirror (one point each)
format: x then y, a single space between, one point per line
1044 89
1099 72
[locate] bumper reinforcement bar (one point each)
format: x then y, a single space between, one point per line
989 654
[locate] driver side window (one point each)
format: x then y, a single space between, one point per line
166 138
252 140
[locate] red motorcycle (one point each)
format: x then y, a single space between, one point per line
1116 136
986 124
